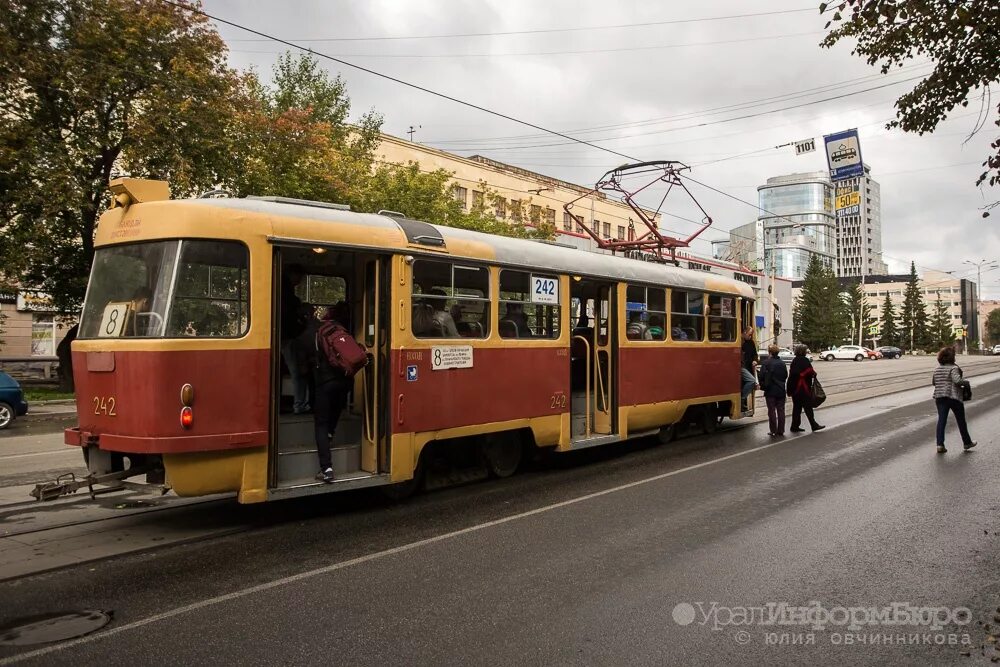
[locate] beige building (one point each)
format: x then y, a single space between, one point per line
985 308
32 329
543 196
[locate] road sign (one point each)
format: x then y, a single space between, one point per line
805 146
843 155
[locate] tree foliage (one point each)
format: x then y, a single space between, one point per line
961 37
940 329
889 328
88 88
821 316
915 332
992 328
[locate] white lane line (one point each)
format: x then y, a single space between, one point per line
404 548
49 453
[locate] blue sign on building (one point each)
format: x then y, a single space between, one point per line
843 155
760 321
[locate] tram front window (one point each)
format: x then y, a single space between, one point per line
168 289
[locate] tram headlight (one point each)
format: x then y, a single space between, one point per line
187 417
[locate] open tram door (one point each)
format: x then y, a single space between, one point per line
321 278
592 361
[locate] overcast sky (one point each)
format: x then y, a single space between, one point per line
655 91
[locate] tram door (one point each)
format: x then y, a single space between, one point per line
372 383
593 359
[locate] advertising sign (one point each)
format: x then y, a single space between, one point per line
843 155
848 201
30 300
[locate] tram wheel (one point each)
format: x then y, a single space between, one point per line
403 490
667 434
502 453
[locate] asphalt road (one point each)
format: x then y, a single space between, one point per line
606 557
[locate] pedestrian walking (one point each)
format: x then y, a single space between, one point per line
799 386
947 381
332 387
773 376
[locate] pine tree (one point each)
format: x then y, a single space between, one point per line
821 317
915 333
941 333
890 330
859 310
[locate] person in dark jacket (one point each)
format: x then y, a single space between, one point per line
773 375
947 381
799 387
748 368
332 387
292 324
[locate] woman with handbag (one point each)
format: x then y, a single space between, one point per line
800 387
948 395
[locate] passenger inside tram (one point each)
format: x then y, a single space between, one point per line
441 316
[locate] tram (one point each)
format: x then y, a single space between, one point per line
180 375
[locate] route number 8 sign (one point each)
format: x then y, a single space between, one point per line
113 322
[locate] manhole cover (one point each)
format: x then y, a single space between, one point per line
54 627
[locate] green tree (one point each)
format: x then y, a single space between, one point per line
88 89
913 316
961 38
859 310
890 329
821 317
941 332
993 327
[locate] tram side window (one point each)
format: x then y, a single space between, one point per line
687 315
646 312
212 294
721 318
450 300
529 305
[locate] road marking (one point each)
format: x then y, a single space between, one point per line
416 545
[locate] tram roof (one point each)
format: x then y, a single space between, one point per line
508 251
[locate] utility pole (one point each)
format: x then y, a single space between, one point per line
990 264
861 306
413 131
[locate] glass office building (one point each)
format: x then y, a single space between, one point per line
797 215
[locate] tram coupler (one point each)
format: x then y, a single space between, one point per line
68 483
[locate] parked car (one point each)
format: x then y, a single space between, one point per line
996 349
872 354
890 352
855 352
784 354
12 403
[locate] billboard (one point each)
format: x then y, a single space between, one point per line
848 200
843 155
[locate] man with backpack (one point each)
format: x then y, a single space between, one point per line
338 358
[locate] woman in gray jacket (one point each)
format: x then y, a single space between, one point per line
948 396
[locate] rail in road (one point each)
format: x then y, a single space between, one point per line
37 537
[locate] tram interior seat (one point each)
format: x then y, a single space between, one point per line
470 329
508 329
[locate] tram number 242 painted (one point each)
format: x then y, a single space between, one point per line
557 401
105 405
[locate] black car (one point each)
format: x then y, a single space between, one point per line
889 352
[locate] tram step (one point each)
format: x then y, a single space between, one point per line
296 432
303 463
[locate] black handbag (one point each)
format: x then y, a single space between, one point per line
966 390
819 395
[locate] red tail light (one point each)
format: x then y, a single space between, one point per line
187 417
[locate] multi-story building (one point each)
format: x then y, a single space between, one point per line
986 307
797 218
31 330
858 206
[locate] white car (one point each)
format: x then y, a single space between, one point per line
996 349
855 352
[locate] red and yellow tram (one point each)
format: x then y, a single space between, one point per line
477 342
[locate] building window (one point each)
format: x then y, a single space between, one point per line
43 335
621 232
607 230
477 199
500 208
568 221
550 216
515 210
536 214
461 195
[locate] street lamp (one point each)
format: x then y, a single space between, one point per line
989 265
